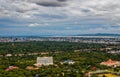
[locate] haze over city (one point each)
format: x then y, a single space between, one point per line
59 17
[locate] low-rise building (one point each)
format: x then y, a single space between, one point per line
8 55
44 61
12 68
31 68
67 62
111 62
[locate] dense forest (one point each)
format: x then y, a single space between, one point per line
60 51
22 47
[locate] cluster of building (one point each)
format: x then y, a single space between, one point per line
13 39
87 39
46 61
109 63
41 61
83 39
23 54
114 52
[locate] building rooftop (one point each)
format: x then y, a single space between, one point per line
44 61
110 62
12 68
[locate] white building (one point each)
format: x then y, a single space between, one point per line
44 61
8 55
68 62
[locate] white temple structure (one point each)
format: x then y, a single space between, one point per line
44 61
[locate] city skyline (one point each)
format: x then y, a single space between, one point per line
59 17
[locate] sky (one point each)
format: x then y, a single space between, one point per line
59 17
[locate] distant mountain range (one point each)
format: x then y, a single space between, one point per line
98 34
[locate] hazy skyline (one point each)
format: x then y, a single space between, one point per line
59 17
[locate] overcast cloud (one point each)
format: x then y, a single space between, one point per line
58 16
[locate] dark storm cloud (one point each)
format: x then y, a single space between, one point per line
50 4
85 10
53 3
62 0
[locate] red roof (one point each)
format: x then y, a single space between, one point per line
109 62
11 68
